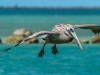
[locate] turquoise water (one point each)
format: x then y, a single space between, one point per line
37 20
9 23
70 60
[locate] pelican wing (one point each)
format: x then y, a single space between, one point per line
95 29
30 37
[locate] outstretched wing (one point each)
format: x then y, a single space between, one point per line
30 37
95 29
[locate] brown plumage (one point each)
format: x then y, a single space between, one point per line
95 29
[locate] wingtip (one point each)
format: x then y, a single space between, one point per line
4 50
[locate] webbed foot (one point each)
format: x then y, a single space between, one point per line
54 50
41 53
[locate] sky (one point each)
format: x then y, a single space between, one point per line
50 3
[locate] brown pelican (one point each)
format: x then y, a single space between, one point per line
61 33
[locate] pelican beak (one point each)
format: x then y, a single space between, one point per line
73 34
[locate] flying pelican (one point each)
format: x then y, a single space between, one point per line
61 33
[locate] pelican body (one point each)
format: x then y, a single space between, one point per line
61 33
63 37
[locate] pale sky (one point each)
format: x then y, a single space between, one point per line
51 3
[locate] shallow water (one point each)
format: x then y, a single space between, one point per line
70 60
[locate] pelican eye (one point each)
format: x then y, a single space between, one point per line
71 30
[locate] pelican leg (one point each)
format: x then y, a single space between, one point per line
54 49
41 53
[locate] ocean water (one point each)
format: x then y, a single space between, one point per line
70 60
37 20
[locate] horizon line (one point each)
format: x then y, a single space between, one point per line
25 7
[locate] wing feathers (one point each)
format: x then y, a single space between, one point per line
30 37
95 29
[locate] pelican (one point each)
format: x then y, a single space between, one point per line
61 33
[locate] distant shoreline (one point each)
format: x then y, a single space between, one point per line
48 11
51 8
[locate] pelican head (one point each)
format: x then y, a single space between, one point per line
71 31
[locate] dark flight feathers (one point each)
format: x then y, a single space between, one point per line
95 29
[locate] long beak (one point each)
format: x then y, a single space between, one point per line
73 34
